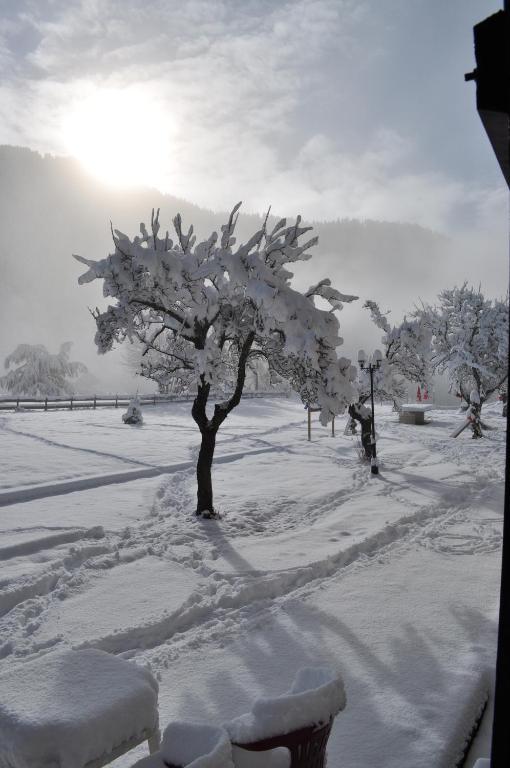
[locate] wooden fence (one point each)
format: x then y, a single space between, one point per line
98 401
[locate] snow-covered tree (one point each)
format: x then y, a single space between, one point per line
208 307
259 374
407 353
39 373
469 340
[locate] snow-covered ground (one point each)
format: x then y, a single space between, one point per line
393 579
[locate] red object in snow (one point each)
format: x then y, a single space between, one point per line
418 394
425 393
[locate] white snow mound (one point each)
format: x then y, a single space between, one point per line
196 745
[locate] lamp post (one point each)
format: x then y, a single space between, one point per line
371 366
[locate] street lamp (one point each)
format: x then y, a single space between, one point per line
372 366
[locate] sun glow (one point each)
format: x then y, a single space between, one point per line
121 136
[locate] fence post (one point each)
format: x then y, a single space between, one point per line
94 402
46 404
17 403
116 400
154 399
309 423
333 427
71 406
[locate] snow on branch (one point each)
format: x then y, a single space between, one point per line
377 316
203 307
335 298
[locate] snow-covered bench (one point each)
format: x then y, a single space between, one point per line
414 413
75 708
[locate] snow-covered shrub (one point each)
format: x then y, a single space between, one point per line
133 414
205 309
39 373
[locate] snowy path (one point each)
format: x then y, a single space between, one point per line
314 558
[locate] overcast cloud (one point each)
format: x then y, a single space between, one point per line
333 108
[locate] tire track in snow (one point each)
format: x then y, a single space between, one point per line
35 492
30 546
56 444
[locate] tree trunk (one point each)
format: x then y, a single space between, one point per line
476 424
205 507
209 427
365 420
475 411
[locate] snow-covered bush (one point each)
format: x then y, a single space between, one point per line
39 373
208 308
469 340
133 414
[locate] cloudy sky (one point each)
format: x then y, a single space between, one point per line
331 108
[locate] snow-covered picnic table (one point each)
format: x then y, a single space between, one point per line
75 708
414 413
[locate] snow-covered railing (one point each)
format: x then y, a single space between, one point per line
98 401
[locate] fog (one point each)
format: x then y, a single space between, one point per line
50 208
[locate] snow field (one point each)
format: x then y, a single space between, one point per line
393 579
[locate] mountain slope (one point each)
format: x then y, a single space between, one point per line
50 208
